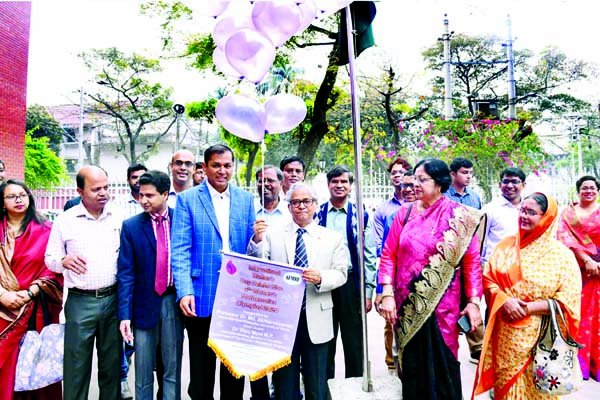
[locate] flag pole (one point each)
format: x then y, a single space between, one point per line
367 384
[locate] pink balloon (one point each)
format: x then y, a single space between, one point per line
284 112
250 53
223 65
309 15
230 23
243 116
277 21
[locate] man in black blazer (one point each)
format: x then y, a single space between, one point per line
148 308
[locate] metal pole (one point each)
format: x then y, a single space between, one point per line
449 110
512 107
367 384
579 154
80 138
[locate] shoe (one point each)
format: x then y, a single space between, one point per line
475 356
125 392
492 394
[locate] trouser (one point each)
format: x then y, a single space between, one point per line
388 340
125 360
346 319
88 320
475 339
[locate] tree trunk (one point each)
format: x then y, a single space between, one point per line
319 127
250 163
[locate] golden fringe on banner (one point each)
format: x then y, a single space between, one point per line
273 367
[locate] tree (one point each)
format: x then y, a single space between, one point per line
43 168
41 124
140 109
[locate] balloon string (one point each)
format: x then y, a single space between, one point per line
262 168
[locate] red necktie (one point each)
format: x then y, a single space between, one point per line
162 257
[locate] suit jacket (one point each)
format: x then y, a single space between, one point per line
326 252
196 241
136 270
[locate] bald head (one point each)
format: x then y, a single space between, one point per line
182 170
87 172
92 186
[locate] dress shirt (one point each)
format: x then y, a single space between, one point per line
387 208
468 198
76 232
336 220
502 221
172 200
130 207
167 227
280 216
221 203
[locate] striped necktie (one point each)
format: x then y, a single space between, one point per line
301 258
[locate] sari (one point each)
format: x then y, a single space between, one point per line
18 272
583 234
531 266
431 260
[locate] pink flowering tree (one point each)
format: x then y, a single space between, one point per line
491 145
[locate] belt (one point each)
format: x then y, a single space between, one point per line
97 293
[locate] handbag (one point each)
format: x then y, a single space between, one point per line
40 360
555 367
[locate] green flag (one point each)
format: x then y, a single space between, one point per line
362 14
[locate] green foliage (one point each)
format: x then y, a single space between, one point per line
204 109
491 145
41 124
43 168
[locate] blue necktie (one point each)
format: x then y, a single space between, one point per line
301 259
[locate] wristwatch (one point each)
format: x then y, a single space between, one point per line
475 300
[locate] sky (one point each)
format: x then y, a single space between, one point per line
403 28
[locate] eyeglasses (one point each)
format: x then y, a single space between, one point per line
514 182
394 173
407 186
267 181
529 212
304 202
14 197
180 163
421 179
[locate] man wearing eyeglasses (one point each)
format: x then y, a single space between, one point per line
181 169
503 212
322 254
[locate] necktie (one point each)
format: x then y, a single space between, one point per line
301 259
162 257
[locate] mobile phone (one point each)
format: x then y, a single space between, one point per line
464 323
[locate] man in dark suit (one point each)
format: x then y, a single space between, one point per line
148 307
208 218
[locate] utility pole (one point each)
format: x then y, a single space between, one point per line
449 111
512 107
80 136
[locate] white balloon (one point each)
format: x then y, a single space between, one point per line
243 116
250 53
309 15
283 113
234 20
223 65
277 21
212 8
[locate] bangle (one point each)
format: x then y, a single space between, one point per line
387 294
30 293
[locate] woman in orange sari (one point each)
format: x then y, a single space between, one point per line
23 274
523 272
579 230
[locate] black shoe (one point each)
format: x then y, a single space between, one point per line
475 356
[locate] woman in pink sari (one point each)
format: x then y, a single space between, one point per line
23 274
579 230
430 258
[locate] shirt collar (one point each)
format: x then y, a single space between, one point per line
331 208
164 214
83 212
452 191
215 193
310 228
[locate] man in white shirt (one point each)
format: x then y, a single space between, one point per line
181 169
84 245
269 205
503 212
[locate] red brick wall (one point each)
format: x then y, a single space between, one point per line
14 50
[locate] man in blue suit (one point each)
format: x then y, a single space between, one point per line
208 218
148 306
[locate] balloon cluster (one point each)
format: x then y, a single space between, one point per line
247 34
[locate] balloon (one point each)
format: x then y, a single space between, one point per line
223 65
235 19
243 116
309 15
213 8
328 7
250 53
284 112
277 21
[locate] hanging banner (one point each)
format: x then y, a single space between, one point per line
255 314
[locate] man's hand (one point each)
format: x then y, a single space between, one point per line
312 275
369 305
378 302
474 315
76 264
260 227
126 332
188 305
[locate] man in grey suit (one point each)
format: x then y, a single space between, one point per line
321 253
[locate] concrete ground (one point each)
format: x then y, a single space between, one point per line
590 390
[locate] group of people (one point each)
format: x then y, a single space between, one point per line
140 273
